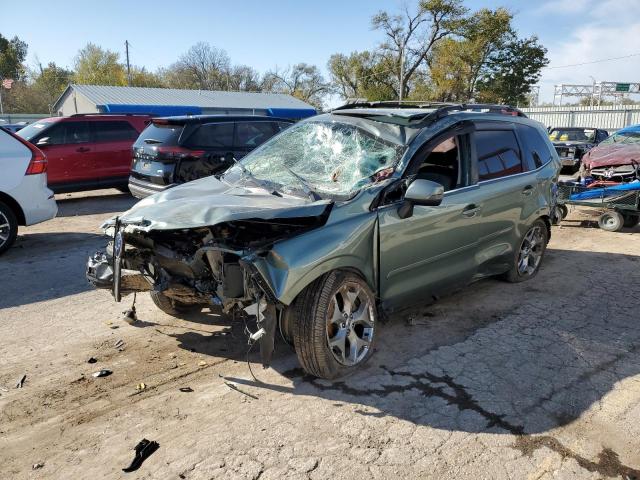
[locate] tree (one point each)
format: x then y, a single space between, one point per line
365 74
512 71
97 66
411 37
203 67
458 63
141 77
302 81
48 85
243 78
12 55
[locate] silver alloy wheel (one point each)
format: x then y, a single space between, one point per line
5 229
610 222
531 251
350 324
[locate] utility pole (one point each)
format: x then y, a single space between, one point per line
126 46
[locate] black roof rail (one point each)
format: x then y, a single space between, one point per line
114 114
392 104
441 108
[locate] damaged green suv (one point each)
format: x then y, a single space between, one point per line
341 218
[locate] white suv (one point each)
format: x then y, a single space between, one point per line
24 196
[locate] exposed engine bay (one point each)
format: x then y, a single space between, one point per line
206 266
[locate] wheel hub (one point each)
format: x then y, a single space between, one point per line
350 324
531 251
4 229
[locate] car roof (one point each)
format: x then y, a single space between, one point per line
193 119
630 129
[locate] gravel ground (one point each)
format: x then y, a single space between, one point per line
535 380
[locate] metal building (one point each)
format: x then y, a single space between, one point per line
171 101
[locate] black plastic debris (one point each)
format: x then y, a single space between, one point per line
21 381
186 389
102 373
37 466
92 360
144 449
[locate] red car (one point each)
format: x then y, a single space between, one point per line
86 151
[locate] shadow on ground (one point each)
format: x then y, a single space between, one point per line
44 266
495 357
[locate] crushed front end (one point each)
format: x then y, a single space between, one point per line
199 267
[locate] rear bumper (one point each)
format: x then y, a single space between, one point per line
35 199
141 189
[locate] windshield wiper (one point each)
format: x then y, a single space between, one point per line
305 185
246 172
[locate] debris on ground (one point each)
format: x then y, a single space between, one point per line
92 360
141 386
119 343
37 466
130 316
186 389
202 363
102 373
144 449
21 381
233 387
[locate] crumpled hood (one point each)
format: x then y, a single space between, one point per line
609 155
209 201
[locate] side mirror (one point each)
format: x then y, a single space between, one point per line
43 142
421 192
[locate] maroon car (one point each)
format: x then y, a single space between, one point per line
615 159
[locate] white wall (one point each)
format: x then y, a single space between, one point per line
606 117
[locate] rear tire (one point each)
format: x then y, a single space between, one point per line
528 257
334 325
611 221
560 212
8 227
173 307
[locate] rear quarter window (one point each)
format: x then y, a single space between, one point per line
537 150
251 134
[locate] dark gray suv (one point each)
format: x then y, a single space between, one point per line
176 150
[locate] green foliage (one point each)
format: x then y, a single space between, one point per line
97 66
362 75
12 55
512 71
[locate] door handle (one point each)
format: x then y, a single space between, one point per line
471 211
82 149
528 190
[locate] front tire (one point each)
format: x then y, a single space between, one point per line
173 307
336 319
528 257
8 227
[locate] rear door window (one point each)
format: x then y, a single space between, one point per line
498 154
113 131
251 134
65 133
537 150
212 136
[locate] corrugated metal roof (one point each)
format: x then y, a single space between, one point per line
103 95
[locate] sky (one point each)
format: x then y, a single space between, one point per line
267 34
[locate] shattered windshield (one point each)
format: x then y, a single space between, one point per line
324 158
625 137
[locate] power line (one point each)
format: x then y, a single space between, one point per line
594 61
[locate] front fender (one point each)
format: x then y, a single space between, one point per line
349 243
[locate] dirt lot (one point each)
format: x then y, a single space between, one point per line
536 380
